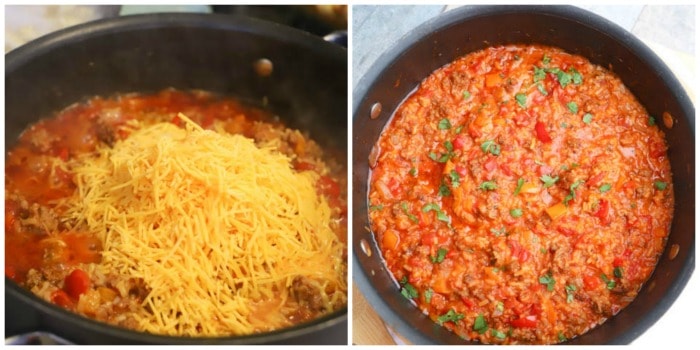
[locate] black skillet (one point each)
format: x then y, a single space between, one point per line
458 32
147 53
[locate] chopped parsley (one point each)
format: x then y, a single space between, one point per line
413 172
443 190
516 213
605 188
541 89
576 76
480 324
427 295
450 316
572 192
561 337
498 232
488 186
440 214
445 156
651 121
498 334
540 74
660 185
546 59
459 129
549 181
587 118
407 290
564 78
444 124
499 306
404 207
466 95
376 207
490 146
454 178
521 182
617 272
430 206
522 99
549 281
570 289
441 253
573 107
610 284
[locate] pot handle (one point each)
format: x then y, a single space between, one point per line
339 37
36 338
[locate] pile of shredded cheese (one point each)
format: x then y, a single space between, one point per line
217 228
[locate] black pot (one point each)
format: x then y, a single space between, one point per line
147 53
459 32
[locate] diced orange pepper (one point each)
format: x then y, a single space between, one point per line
556 211
493 79
390 240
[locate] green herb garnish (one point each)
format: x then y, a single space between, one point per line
376 207
617 272
441 253
610 284
660 185
549 281
521 182
480 324
488 185
454 178
444 124
450 316
570 289
548 180
490 146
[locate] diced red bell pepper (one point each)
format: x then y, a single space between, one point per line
394 186
591 282
491 164
541 132
61 299
330 187
77 283
529 321
459 142
462 171
603 212
63 154
302 166
518 252
10 272
593 181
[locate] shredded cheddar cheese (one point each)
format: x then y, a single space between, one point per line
218 228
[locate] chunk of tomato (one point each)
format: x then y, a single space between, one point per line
77 283
541 132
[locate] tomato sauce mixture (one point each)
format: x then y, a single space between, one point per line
49 256
521 195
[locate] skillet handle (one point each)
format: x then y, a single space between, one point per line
36 338
339 37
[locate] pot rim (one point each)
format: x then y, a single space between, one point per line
105 26
447 19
